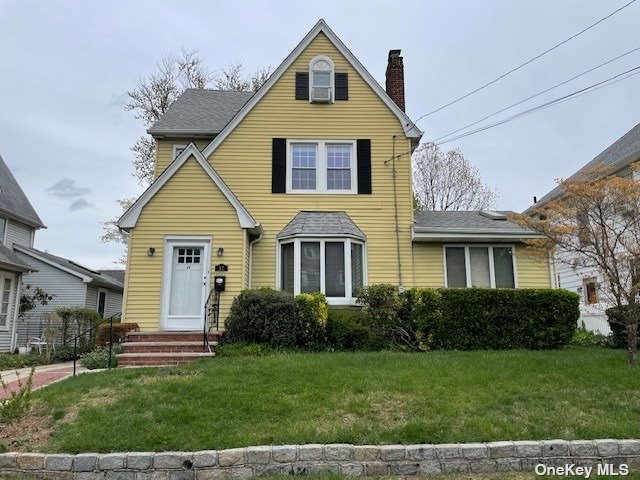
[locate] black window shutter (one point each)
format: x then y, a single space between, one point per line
364 166
279 165
302 85
342 86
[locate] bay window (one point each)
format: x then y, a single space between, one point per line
483 266
332 266
321 166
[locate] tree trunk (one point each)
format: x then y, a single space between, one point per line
632 341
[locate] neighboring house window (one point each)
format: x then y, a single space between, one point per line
5 301
102 301
321 80
3 227
480 266
591 291
321 166
334 267
177 150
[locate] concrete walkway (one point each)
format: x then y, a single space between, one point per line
44 375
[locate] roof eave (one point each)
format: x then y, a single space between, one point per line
468 234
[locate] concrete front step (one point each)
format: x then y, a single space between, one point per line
160 358
149 347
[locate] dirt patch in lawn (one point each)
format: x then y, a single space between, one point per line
29 434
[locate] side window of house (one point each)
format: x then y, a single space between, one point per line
590 291
3 226
480 266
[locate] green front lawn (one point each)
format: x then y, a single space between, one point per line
382 397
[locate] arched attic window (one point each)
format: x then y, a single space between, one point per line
321 80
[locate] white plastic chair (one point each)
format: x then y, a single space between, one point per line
37 342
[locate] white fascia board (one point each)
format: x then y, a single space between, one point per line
130 217
48 261
435 236
410 129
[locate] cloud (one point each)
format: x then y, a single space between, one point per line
79 204
66 189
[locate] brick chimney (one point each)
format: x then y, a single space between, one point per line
395 78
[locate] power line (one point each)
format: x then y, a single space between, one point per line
556 101
525 63
538 94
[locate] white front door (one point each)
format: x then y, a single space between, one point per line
186 283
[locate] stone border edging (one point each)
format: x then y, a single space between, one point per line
359 460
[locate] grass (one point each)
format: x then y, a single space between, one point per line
382 397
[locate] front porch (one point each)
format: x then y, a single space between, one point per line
144 349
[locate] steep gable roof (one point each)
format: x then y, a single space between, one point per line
13 201
200 112
130 217
620 154
410 129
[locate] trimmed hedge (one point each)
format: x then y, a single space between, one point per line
482 319
120 331
348 329
618 328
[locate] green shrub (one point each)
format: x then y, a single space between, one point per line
618 328
276 318
75 321
347 329
480 319
100 358
17 402
12 361
120 331
585 338
62 354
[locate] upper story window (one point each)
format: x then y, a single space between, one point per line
321 166
321 80
480 266
3 227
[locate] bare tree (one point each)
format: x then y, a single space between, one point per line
112 234
447 181
596 224
233 78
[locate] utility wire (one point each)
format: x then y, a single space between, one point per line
538 94
556 101
523 64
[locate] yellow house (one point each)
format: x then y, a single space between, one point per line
304 185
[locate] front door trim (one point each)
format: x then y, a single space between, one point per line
171 242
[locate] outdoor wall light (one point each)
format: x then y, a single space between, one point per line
151 251
220 251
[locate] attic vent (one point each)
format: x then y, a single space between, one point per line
493 215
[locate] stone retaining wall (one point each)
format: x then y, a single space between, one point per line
369 460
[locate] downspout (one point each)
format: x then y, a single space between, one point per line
255 240
395 208
13 344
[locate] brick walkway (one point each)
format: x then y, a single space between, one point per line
43 376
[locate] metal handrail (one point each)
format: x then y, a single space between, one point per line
88 330
207 314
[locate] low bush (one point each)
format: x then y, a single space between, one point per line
276 318
17 402
12 361
347 329
586 338
119 334
481 319
618 328
100 358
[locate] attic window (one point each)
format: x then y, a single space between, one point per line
321 80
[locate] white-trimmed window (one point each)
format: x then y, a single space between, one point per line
483 266
333 266
321 80
321 166
5 301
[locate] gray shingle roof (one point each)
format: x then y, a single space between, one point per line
322 223
620 154
200 111
96 277
13 201
116 274
464 221
9 260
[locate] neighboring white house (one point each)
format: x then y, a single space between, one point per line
614 160
21 264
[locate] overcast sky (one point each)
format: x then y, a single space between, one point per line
65 65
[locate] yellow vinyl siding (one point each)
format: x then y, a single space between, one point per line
533 272
164 151
188 204
428 265
243 160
